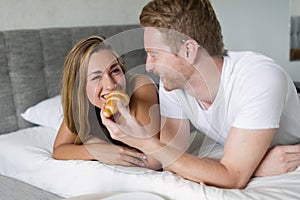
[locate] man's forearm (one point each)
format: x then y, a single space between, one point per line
206 170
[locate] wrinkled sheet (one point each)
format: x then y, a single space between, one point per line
26 155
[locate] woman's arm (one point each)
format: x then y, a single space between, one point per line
279 160
145 108
94 149
65 149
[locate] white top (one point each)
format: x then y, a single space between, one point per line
255 93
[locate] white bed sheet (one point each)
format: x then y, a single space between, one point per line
27 156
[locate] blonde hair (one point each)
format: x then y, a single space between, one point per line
195 19
74 98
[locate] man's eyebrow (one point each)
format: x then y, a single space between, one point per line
148 49
153 50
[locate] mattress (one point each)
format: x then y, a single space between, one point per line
26 155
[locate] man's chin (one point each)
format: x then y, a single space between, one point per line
167 88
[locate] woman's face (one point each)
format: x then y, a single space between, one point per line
104 75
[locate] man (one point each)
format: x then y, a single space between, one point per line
242 100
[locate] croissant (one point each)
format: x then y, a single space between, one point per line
112 99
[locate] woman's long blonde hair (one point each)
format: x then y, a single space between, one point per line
74 98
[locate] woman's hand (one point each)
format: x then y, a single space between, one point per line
279 160
116 155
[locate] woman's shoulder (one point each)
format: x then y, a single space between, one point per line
140 83
139 78
143 96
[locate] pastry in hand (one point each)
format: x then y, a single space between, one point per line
112 99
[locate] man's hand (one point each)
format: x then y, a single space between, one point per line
279 160
127 129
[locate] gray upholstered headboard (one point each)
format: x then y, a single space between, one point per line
31 63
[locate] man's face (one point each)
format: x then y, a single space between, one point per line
173 69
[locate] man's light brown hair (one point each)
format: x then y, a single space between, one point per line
193 18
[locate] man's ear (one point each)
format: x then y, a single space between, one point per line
190 50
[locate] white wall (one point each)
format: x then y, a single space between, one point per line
258 25
295 7
20 14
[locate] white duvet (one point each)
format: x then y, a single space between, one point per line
26 155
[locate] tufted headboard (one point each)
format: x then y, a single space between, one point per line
31 63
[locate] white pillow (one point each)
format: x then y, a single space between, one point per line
46 113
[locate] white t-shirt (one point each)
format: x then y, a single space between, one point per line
255 93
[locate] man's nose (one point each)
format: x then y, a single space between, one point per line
149 65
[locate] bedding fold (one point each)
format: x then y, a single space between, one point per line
26 155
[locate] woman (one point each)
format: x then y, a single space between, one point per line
91 71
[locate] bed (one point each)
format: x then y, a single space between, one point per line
31 65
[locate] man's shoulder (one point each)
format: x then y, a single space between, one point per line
247 56
249 61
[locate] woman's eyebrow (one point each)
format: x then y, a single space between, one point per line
113 65
95 72
100 72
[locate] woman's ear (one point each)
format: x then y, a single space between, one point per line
190 50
